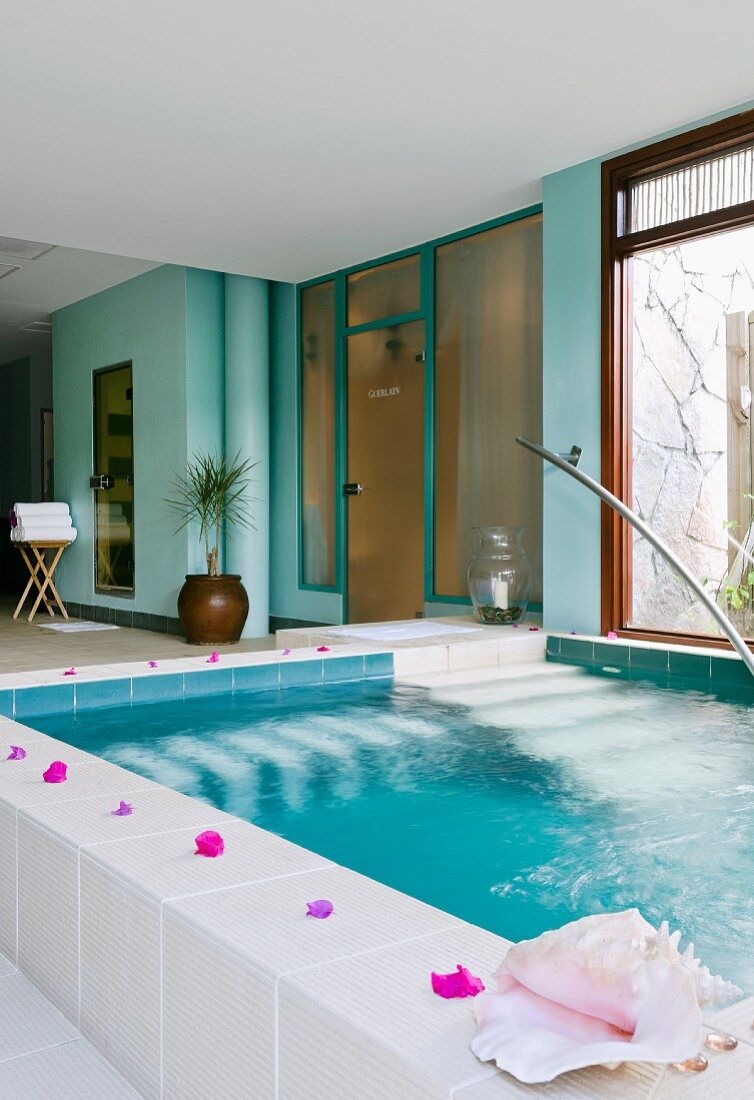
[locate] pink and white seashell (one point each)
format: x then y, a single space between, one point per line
602 990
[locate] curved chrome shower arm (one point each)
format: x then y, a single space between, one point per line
623 510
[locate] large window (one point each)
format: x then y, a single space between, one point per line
679 297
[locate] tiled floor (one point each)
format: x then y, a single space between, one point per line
43 1055
26 647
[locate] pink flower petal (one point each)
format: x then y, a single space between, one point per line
70 672
16 753
515 626
209 844
461 983
56 773
152 664
611 635
213 658
286 652
323 649
533 628
319 909
123 810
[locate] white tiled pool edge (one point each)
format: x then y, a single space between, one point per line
200 978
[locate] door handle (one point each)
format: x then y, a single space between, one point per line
102 481
353 489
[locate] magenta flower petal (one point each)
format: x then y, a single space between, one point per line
16 753
573 632
611 635
286 652
213 658
123 810
461 983
56 773
70 672
515 626
152 664
319 909
209 844
533 628
323 649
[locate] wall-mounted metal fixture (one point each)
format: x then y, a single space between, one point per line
566 464
353 489
572 457
102 481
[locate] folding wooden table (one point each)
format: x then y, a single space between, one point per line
39 550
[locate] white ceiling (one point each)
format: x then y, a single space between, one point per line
43 278
286 138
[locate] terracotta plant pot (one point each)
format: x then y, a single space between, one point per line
212 610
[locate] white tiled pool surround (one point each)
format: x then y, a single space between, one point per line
200 978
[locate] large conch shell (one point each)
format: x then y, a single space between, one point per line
602 990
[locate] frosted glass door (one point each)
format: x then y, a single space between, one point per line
114 463
385 479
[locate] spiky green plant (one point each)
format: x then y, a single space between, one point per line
214 492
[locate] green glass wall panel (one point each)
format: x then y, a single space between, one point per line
387 290
318 434
488 390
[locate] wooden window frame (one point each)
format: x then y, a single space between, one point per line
617 248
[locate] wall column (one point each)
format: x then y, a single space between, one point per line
247 406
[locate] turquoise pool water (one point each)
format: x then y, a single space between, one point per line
516 804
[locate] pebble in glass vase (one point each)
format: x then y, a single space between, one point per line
499 575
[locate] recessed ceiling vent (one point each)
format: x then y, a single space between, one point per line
7 269
38 326
23 250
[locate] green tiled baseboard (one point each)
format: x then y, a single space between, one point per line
27 702
644 661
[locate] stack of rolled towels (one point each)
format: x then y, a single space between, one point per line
46 522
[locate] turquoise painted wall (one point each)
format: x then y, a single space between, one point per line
571 395
205 393
143 320
172 324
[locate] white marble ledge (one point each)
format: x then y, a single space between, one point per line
470 632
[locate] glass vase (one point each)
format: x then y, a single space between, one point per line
499 575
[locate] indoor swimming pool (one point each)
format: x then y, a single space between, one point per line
516 798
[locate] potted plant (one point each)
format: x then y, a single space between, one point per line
212 606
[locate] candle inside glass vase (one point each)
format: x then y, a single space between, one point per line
500 593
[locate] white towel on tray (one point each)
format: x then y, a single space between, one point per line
29 532
41 508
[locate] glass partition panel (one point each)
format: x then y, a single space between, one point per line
113 463
488 390
388 290
318 434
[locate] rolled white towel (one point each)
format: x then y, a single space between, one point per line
29 533
50 522
41 508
